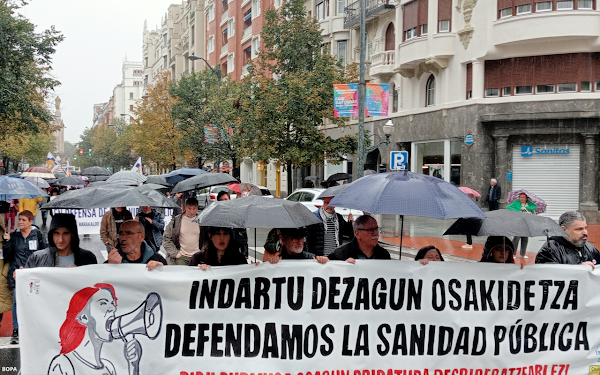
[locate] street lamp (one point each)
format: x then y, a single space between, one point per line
388 128
216 72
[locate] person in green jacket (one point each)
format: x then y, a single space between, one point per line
523 204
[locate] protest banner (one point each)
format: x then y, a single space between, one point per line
89 219
301 317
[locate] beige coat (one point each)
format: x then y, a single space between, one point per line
6 296
108 227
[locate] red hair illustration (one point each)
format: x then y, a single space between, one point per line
72 331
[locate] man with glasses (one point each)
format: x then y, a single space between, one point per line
364 245
133 247
291 246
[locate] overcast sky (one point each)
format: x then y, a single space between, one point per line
98 37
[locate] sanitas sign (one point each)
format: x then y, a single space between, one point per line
530 151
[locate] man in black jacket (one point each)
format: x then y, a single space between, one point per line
133 247
493 195
331 232
573 247
364 245
291 244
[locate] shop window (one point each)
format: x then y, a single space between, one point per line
586 86
544 89
411 33
597 86
506 91
523 90
492 92
444 26
524 9
430 100
506 12
424 29
567 87
564 5
543 6
584 4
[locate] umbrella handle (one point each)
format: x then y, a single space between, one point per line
401 230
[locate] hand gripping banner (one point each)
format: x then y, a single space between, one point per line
300 317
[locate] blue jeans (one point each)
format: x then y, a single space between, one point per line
14 310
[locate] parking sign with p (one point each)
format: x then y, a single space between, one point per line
398 160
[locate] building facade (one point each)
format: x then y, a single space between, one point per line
505 89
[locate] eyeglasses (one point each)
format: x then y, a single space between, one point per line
371 230
126 234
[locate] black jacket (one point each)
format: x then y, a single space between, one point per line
316 234
302 256
208 256
49 258
559 250
17 250
351 250
496 196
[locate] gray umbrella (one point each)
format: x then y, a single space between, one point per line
110 196
97 178
95 171
158 179
333 191
128 178
257 212
98 183
202 181
70 181
506 223
38 181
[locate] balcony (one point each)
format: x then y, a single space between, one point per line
224 50
185 46
224 17
382 63
374 8
247 34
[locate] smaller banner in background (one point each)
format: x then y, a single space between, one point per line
345 100
377 99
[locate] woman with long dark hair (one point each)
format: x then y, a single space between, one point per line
221 250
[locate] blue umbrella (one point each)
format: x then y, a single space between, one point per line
407 193
16 188
179 175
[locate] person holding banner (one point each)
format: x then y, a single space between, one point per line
497 249
291 246
111 224
182 238
221 250
133 248
64 250
17 248
429 254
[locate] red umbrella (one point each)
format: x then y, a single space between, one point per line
470 192
38 172
234 187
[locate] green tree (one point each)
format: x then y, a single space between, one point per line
200 101
281 117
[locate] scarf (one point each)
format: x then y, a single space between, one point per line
327 216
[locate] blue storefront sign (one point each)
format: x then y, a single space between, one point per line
509 176
469 139
531 151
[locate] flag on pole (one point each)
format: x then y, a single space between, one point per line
51 163
137 167
68 169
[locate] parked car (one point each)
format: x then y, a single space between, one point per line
265 191
208 195
308 197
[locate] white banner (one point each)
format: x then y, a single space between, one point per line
300 317
89 219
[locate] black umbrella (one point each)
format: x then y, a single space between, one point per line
257 212
70 181
95 171
506 223
338 177
99 183
202 181
314 178
97 178
158 179
110 196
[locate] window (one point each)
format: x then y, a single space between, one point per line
430 99
523 9
165 62
469 94
584 4
211 44
444 26
255 8
248 18
586 86
255 46
193 34
231 27
341 6
131 108
224 39
341 51
211 13
225 5
544 89
564 5
567 87
277 3
322 10
506 91
597 86
247 55
506 12
130 95
521 90
492 92
411 33
395 100
424 29
295 197
543 6
230 60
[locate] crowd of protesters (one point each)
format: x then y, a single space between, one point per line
138 239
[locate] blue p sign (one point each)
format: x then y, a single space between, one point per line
398 160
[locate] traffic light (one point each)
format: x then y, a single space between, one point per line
90 152
81 152
75 158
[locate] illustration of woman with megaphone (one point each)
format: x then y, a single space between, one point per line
91 322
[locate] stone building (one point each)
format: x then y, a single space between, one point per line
521 76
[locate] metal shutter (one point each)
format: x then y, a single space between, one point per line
554 178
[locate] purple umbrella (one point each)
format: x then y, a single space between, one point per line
539 202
